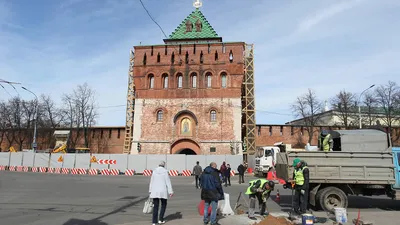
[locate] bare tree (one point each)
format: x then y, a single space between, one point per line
308 108
387 99
80 112
344 104
370 104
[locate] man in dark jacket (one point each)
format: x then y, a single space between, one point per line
211 192
241 171
301 177
197 172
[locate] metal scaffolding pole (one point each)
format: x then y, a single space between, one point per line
130 107
248 103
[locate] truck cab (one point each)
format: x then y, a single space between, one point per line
265 159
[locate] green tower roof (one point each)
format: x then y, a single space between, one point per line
195 26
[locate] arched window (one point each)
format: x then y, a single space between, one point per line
180 80
151 81
213 115
194 80
160 115
223 80
208 79
165 81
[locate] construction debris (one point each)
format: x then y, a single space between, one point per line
270 220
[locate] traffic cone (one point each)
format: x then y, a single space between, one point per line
278 196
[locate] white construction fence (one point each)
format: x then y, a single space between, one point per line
110 164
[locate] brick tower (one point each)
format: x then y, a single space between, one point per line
188 92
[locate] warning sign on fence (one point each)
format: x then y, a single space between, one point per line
60 159
93 159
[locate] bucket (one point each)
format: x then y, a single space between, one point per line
307 219
341 215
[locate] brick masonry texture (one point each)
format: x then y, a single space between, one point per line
114 144
165 137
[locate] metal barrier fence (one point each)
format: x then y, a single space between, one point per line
109 164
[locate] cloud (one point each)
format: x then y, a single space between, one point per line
324 45
325 14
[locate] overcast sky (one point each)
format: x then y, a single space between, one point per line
53 45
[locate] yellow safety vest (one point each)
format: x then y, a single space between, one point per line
263 181
325 143
299 176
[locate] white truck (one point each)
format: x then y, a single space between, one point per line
265 158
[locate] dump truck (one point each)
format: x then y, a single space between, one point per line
362 162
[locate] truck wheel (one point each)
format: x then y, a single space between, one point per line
332 197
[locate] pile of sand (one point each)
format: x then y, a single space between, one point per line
270 220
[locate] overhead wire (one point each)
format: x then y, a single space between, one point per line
6 91
159 26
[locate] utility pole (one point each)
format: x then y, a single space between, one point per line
34 144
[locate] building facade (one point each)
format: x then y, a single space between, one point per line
188 92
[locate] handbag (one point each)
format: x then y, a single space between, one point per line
148 206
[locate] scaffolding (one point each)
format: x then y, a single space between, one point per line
248 102
130 107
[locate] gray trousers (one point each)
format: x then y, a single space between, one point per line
262 205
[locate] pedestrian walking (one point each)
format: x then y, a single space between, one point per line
222 170
160 187
227 175
241 169
197 172
211 192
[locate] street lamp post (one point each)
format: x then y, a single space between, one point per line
34 145
359 104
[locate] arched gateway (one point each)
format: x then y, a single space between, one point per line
186 147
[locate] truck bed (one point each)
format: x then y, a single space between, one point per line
340 167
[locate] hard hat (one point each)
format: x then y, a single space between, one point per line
271 184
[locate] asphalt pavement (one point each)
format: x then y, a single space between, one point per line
35 198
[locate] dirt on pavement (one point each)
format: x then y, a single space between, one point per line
270 220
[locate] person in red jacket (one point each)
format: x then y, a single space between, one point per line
222 169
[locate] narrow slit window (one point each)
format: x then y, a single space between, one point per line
187 58
152 51
144 59
109 133
158 57
231 56
166 50
216 55
201 57
194 49
173 58
119 134
180 49
209 48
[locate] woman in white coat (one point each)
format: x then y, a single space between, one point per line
160 188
